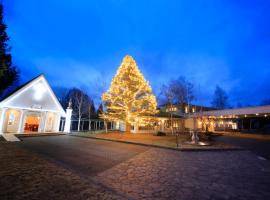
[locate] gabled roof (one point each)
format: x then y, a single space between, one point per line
27 86
18 88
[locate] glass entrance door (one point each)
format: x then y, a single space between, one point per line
31 123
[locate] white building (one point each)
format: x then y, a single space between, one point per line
31 108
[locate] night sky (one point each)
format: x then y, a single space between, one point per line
78 43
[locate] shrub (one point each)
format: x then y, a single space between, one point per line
160 133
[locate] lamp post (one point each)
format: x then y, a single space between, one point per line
68 117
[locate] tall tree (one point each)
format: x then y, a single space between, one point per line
220 99
91 112
183 90
80 104
239 105
265 102
178 91
169 97
8 73
130 95
62 95
167 94
100 110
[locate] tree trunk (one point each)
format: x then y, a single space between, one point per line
106 126
128 127
79 123
171 124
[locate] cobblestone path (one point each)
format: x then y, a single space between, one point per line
27 176
148 173
167 174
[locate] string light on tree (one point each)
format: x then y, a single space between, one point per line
130 96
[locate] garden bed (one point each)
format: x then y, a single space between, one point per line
168 141
2 139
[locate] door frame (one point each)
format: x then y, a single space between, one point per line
32 113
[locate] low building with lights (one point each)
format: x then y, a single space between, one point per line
169 118
183 109
179 119
248 119
31 108
162 121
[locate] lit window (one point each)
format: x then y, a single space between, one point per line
193 109
186 109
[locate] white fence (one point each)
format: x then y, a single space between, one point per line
87 125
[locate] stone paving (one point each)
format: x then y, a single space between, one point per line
168 174
24 175
151 173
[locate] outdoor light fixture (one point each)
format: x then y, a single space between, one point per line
39 91
257 114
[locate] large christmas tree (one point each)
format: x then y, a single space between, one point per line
130 95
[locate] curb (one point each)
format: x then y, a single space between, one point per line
38 135
164 147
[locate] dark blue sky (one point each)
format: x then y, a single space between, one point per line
76 42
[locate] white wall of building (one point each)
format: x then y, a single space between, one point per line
34 99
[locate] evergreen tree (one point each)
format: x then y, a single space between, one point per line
8 72
220 100
130 95
100 110
265 102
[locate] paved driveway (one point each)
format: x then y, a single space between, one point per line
259 146
66 167
85 156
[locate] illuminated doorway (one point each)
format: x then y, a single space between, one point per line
31 123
